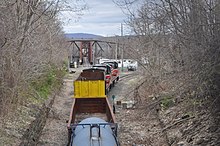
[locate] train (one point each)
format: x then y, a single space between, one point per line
114 71
111 73
92 121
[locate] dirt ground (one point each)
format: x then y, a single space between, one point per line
186 122
55 130
189 122
136 126
139 125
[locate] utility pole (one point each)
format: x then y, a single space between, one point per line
122 50
116 51
121 29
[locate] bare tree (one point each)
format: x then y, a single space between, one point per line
180 37
31 43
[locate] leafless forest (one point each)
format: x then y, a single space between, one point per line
32 43
179 38
179 41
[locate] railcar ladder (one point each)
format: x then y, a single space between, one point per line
95 140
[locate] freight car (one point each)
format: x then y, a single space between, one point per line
100 129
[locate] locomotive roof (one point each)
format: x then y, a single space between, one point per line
94 69
100 65
110 62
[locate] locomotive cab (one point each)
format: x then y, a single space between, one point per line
108 74
115 71
107 67
114 63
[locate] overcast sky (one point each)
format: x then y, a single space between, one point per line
103 17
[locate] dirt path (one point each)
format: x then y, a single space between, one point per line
55 130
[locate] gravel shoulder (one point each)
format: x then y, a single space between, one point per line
55 130
138 125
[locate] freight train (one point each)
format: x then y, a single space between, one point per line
111 73
91 121
114 71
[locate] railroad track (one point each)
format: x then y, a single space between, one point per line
128 76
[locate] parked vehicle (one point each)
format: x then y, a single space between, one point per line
132 66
